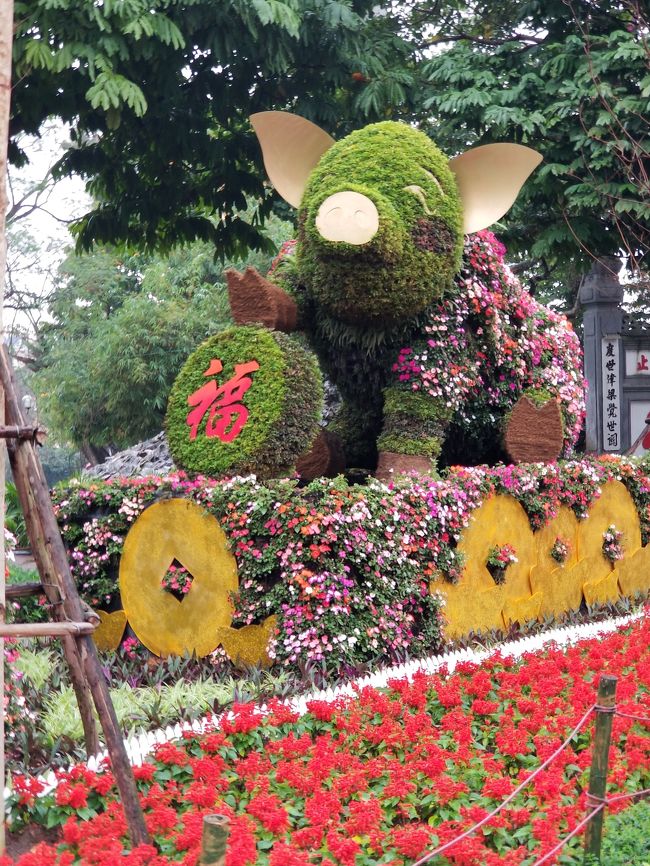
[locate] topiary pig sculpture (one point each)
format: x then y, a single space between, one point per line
430 341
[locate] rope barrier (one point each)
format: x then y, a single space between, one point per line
643 719
573 833
510 797
628 796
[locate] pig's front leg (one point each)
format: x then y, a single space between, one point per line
413 432
254 299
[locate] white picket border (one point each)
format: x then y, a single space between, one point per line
141 745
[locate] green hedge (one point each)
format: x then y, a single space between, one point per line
284 404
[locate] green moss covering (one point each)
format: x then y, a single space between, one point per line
399 401
423 446
284 403
416 251
414 423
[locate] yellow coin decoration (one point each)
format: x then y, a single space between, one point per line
168 531
248 645
476 602
537 586
108 634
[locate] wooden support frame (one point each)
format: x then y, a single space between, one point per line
21 590
36 434
45 629
74 619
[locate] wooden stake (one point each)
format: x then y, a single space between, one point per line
599 760
214 840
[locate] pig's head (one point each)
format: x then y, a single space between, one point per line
382 213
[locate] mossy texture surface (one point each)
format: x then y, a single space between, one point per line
283 402
405 266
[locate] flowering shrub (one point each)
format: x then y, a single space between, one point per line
345 568
487 344
612 544
177 580
560 550
499 558
376 779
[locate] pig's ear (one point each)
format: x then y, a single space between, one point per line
291 147
489 179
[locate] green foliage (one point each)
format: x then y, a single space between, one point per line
627 837
394 276
122 326
48 729
14 518
283 403
570 79
30 608
36 665
138 709
157 95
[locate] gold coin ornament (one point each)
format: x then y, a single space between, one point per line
248 645
542 583
476 602
109 632
177 530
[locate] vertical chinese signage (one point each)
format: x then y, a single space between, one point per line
611 394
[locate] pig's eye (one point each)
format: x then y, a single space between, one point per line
433 178
421 196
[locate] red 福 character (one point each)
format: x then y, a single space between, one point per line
227 414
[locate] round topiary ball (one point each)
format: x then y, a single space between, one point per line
248 400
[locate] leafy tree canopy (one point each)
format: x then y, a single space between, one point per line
571 79
121 328
158 94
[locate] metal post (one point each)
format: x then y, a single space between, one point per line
599 760
216 829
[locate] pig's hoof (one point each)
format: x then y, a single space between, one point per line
390 465
254 299
325 457
534 434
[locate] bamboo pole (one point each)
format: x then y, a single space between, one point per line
20 590
6 40
214 840
604 712
45 629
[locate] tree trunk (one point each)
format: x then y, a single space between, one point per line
6 38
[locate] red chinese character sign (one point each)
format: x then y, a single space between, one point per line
247 401
226 413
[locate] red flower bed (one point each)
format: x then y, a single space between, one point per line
379 779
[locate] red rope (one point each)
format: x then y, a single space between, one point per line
510 797
573 833
643 719
615 799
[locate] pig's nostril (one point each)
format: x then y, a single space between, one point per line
349 217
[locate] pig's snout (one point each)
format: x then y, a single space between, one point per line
349 217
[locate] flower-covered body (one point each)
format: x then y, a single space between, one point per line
430 345
346 569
